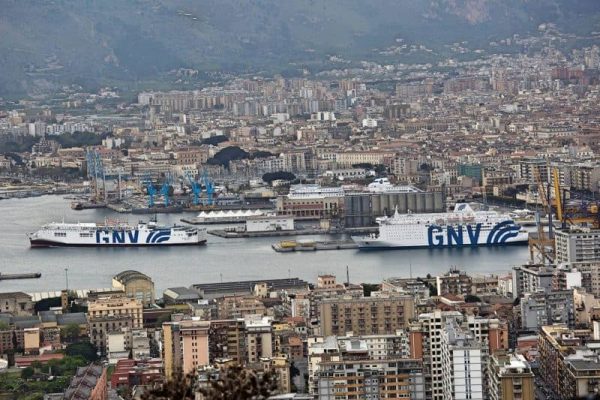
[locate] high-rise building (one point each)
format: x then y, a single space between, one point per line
366 315
373 366
370 379
259 338
510 377
185 345
425 338
577 244
463 363
454 282
569 361
539 309
531 279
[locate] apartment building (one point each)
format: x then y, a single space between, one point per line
112 314
510 377
370 379
365 315
185 345
353 367
531 279
425 338
539 309
569 361
259 338
577 244
454 282
463 363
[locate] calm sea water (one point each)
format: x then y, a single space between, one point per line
220 259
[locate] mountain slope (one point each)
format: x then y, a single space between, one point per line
91 42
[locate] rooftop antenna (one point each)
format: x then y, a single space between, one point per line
67 278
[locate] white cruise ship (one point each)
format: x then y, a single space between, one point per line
115 234
463 227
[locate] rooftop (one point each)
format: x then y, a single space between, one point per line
131 275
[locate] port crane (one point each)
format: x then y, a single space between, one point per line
578 212
165 189
151 191
196 188
209 187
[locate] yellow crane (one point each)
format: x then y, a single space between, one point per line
540 246
558 196
573 214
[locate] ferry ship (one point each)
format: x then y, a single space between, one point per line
115 234
461 228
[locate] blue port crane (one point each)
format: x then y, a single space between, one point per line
196 188
166 189
209 187
151 191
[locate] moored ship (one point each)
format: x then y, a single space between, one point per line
115 234
461 228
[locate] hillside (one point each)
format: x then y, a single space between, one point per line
94 42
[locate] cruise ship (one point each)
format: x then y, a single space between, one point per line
115 234
460 228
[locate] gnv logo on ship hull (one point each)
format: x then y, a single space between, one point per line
131 237
455 235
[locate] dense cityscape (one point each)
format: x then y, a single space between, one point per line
483 148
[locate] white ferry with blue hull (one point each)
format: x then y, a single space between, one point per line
461 228
115 234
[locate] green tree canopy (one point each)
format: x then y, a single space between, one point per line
269 177
86 350
228 154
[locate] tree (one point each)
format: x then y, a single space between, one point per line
368 166
236 382
425 167
180 386
215 140
71 333
380 170
45 304
233 383
85 350
4 326
27 373
472 299
269 177
224 156
261 154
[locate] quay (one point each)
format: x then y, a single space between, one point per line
33 275
240 233
289 246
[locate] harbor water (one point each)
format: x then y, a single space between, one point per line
220 260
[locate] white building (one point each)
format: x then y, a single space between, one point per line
369 123
577 245
269 223
463 365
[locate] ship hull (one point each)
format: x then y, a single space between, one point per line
372 246
40 243
92 235
426 235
